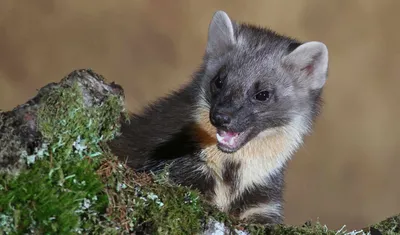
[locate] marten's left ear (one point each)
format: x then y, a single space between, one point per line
220 34
309 64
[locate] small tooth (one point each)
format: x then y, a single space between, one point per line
220 138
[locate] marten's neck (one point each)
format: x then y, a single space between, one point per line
254 164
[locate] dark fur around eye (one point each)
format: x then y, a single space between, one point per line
262 96
218 82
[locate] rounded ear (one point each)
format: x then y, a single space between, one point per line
220 34
309 64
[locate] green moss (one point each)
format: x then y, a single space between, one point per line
51 200
74 130
390 226
60 191
150 204
65 190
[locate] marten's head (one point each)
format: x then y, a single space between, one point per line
256 82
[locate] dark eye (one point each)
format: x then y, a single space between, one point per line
262 96
218 82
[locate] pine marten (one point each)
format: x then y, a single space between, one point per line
230 131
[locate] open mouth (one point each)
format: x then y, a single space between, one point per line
229 141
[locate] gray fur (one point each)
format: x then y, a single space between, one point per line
260 60
250 59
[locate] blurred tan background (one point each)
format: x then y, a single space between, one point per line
347 172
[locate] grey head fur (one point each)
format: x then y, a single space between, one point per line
255 80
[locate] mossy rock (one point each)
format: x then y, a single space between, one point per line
50 150
58 176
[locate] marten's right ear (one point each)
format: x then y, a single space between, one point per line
220 34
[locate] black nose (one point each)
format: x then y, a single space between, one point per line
220 119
